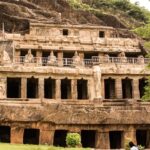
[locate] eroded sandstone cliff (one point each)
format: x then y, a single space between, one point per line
16 14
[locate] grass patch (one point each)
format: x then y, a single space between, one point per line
34 147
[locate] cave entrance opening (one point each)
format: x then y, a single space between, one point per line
14 87
5 134
88 138
31 136
60 138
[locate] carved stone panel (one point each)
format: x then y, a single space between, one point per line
2 88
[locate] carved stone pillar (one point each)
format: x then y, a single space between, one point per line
41 88
60 58
46 137
97 81
39 57
3 88
58 89
130 134
135 89
74 93
118 87
17 135
17 53
23 87
81 54
102 140
90 89
103 88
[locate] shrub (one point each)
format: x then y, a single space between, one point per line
73 140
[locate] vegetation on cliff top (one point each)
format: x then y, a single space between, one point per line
115 13
132 15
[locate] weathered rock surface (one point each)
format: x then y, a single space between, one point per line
17 14
74 114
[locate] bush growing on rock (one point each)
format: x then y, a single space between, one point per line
73 140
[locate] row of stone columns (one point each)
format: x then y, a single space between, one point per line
73 93
102 140
118 88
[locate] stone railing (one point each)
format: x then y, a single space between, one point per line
69 62
120 60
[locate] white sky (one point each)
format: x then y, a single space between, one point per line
145 3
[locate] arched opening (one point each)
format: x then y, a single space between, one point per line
82 89
115 138
127 88
109 88
66 89
14 87
49 88
142 84
88 138
31 136
60 138
32 88
4 134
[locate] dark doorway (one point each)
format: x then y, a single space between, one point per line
60 138
127 88
88 138
65 32
82 89
14 87
32 88
65 89
49 88
23 52
142 84
68 54
31 136
109 88
45 55
4 134
101 34
141 137
115 138
90 55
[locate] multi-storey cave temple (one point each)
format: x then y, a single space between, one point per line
73 78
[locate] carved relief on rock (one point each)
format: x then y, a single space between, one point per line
76 60
6 58
29 58
140 59
123 58
2 88
106 58
52 60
